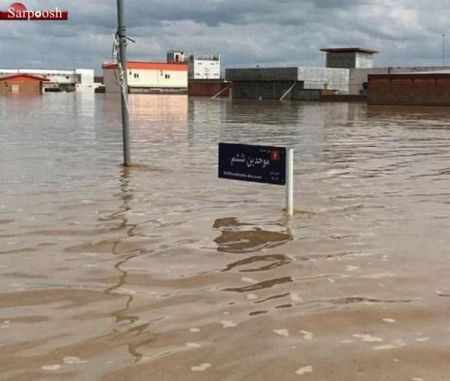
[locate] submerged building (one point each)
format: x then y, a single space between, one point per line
360 63
148 77
59 80
21 84
420 88
345 78
204 75
296 83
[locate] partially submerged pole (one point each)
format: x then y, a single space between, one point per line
290 182
122 66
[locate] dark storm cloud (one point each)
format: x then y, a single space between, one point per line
246 32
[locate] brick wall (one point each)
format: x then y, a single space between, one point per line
409 89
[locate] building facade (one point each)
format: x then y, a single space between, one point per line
418 89
299 83
21 84
349 58
148 77
201 66
60 80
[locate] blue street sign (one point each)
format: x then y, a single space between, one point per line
261 164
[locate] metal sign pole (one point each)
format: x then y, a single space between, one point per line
290 182
121 34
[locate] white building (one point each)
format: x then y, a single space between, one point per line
77 79
148 77
201 66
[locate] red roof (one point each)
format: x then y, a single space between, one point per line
23 75
146 65
349 50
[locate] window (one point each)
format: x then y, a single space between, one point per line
167 76
136 75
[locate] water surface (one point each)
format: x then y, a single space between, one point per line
163 271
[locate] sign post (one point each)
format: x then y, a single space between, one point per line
290 182
261 164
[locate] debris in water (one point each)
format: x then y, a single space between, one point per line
296 297
72 360
304 370
308 336
201 367
369 338
228 324
281 332
249 280
193 345
52 367
394 345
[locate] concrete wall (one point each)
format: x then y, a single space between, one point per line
410 89
262 74
264 89
311 78
146 79
364 61
318 78
349 60
341 60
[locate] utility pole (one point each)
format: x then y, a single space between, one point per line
122 67
443 49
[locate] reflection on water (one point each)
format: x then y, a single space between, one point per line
140 273
234 239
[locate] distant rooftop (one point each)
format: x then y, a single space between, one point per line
349 50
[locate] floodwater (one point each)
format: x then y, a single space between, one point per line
165 272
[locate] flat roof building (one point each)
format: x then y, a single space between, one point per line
148 77
301 83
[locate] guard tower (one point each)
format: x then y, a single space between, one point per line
349 58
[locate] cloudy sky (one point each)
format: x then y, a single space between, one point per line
245 32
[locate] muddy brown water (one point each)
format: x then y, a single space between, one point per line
164 272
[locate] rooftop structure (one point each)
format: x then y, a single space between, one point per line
349 58
201 66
